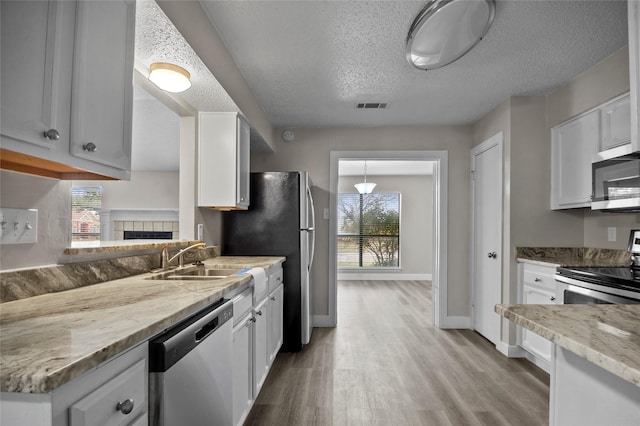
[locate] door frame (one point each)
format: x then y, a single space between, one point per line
440 210
495 140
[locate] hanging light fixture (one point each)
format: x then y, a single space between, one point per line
170 77
365 187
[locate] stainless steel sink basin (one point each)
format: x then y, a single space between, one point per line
195 274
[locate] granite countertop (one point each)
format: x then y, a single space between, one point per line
606 335
572 256
50 339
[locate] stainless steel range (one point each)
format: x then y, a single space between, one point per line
608 285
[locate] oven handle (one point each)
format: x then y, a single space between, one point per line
606 297
599 288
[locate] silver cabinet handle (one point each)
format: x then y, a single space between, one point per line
259 313
537 280
553 298
253 319
493 255
272 298
126 406
90 147
51 134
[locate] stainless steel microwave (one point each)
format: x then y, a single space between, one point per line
616 184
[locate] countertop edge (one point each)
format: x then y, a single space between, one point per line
604 361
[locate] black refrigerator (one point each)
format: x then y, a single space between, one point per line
280 221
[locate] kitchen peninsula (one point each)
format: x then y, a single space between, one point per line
52 342
595 368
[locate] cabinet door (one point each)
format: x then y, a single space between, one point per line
31 75
531 341
616 123
276 307
572 147
102 93
242 370
243 150
260 348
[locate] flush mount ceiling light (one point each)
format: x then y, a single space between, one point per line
364 187
447 29
170 77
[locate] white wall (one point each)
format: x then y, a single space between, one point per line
145 191
52 198
416 216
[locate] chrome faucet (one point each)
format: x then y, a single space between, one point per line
166 260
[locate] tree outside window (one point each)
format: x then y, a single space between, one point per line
369 230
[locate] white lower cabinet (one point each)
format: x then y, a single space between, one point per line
276 306
242 369
257 338
114 393
261 362
537 286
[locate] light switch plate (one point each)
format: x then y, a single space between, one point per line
325 214
611 233
19 226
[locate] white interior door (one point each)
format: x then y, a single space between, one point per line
486 271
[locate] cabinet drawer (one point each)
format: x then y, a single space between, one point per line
275 279
242 304
100 406
540 276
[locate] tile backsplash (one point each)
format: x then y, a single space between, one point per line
119 226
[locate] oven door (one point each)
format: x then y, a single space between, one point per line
574 295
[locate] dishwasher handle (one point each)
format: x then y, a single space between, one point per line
174 343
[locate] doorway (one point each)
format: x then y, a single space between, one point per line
439 222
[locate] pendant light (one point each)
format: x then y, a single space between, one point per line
170 77
364 187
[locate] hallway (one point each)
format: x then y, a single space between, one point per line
386 364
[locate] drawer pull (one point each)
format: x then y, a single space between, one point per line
126 406
538 280
272 298
52 135
259 313
553 298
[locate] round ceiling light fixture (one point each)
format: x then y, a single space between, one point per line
288 136
169 77
447 29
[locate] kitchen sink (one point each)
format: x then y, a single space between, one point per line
195 274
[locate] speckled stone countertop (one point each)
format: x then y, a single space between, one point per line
606 335
48 340
572 256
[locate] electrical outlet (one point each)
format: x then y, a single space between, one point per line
19 226
201 231
325 214
611 233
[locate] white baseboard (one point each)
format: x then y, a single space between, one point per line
456 322
541 363
380 276
322 321
511 351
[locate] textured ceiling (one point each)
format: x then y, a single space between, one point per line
310 62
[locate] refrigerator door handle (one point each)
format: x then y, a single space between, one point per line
312 228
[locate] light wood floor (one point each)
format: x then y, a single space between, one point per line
386 364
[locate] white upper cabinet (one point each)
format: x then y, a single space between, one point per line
102 96
223 161
615 122
31 82
67 75
573 145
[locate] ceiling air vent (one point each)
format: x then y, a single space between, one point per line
371 105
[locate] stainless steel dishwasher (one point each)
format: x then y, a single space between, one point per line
190 381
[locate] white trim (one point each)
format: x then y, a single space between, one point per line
537 361
322 321
511 351
381 276
456 322
440 212
493 141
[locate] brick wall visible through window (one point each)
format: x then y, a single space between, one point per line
85 219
